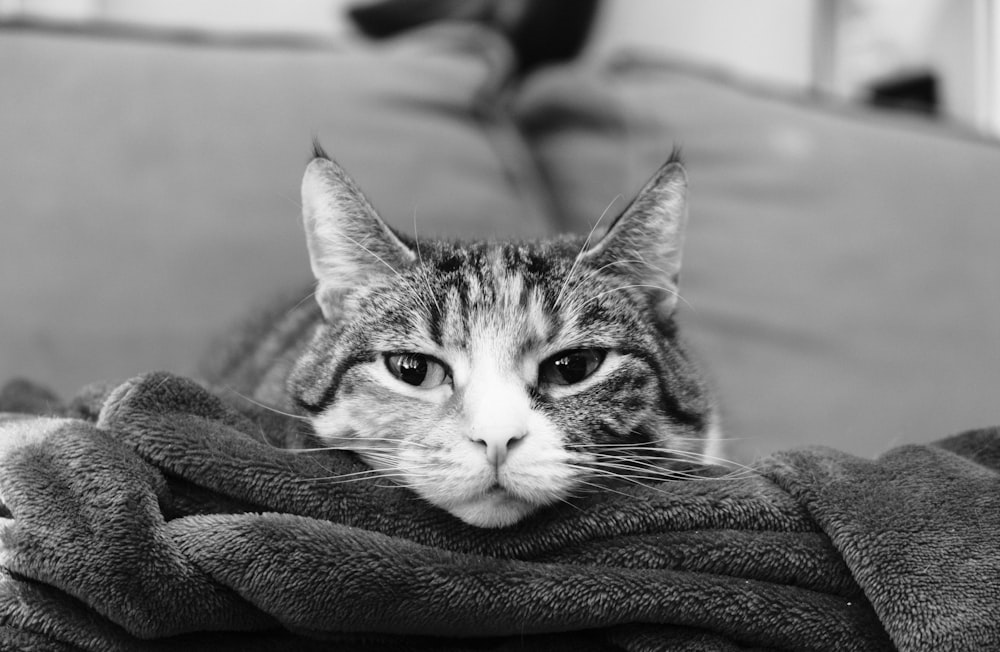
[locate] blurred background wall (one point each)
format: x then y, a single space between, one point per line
934 56
297 16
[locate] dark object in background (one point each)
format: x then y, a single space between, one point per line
915 92
540 31
386 18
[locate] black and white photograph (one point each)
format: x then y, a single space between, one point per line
497 325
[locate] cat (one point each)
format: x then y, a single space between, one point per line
490 378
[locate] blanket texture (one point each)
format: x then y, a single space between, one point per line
157 515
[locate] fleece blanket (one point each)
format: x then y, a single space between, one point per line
159 515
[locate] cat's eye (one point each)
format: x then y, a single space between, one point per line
570 367
417 369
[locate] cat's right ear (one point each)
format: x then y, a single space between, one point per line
348 242
644 244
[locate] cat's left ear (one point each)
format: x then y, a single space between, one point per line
349 244
644 244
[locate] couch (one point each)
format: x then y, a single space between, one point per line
841 265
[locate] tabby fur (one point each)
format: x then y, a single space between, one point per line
497 432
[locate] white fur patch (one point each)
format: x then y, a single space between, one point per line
535 473
496 407
713 441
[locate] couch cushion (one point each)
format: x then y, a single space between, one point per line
149 188
841 264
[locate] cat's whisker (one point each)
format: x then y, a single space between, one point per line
660 466
650 453
391 462
640 480
645 444
628 463
265 406
420 258
566 501
669 291
647 481
698 439
294 201
594 273
388 465
360 474
308 296
704 471
373 254
705 458
592 487
583 249
599 488
333 447
279 441
666 452
416 238
317 449
626 261
647 474
597 272
416 295
323 467
334 480
668 475
595 469
391 469
700 472
431 293
392 294
364 444
653 457
387 461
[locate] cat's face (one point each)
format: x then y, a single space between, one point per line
493 379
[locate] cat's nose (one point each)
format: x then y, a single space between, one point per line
497 445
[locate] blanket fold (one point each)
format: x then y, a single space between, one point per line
158 514
901 541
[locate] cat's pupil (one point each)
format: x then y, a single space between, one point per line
571 367
411 368
417 369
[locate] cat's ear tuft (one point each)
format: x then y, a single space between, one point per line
349 244
644 244
318 151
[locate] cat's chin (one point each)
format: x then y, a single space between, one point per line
492 510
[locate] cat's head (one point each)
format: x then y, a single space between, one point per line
496 378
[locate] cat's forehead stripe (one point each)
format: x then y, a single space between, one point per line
485 299
453 319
